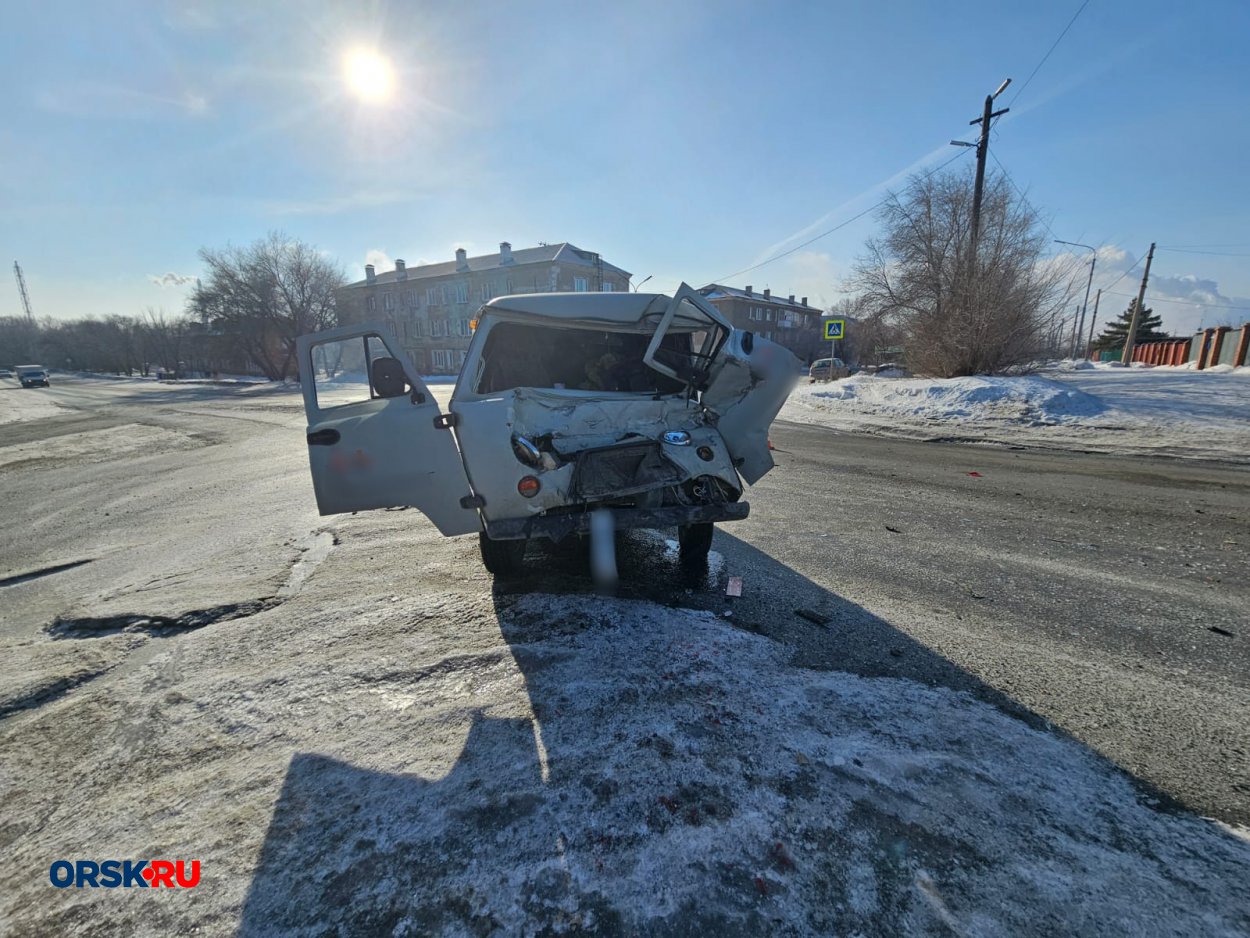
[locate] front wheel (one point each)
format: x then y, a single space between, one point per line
502 558
695 541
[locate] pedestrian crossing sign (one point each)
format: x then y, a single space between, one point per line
835 328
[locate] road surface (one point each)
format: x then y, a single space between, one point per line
1011 678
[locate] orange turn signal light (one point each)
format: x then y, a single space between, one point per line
529 486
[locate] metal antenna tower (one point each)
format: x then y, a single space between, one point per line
21 288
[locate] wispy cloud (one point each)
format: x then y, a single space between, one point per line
171 279
337 204
97 100
853 203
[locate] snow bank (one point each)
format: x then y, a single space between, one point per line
1100 407
1028 400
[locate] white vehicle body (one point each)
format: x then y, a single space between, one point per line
653 407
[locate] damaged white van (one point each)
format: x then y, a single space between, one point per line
569 406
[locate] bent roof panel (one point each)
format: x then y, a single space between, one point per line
606 307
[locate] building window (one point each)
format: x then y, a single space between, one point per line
488 292
431 296
768 314
607 287
371 303
462 327
462 292
410 298
579 284
415 328
388 300
438 327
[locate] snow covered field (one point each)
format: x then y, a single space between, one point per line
1071 405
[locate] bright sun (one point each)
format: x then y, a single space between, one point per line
369 75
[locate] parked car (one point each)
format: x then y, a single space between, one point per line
827 369
32 376
5 373
650 407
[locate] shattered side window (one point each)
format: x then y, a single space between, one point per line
525 356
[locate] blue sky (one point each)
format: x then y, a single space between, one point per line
684 141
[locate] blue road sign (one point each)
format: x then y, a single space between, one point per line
835 328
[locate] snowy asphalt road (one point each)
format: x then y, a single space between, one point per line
202 667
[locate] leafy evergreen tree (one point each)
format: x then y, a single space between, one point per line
1116 332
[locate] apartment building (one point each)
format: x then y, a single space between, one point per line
786 322
430 307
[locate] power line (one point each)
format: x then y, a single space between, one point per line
1023 197
1212 253
1052 48
853 218
1108 287
1161 299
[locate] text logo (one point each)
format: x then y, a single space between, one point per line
110 874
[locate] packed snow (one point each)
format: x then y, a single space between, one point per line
1069 405
18 403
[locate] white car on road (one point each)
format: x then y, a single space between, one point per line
568 405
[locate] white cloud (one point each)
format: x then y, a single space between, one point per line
379 259
171 279
1187 302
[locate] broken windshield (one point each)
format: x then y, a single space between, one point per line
517 355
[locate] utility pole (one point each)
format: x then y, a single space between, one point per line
21 288
1093 260
1093 319
1131 338
983 151
1076 330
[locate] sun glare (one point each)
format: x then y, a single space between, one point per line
369 76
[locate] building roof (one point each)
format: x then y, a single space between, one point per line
716 291
543 254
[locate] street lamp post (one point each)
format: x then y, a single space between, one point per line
1088 283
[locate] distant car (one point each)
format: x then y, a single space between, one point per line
32 377
5 373
828 369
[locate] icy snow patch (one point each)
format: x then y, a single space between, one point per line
679 776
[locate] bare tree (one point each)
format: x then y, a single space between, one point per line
266 295
961 315
162 340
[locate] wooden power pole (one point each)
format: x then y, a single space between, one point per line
983 151
1093 319
1131 338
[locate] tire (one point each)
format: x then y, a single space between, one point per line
501 558
695 541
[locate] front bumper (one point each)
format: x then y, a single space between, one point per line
559 526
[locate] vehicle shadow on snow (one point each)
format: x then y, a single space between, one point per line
705 798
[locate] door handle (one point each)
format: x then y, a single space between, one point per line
325 437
